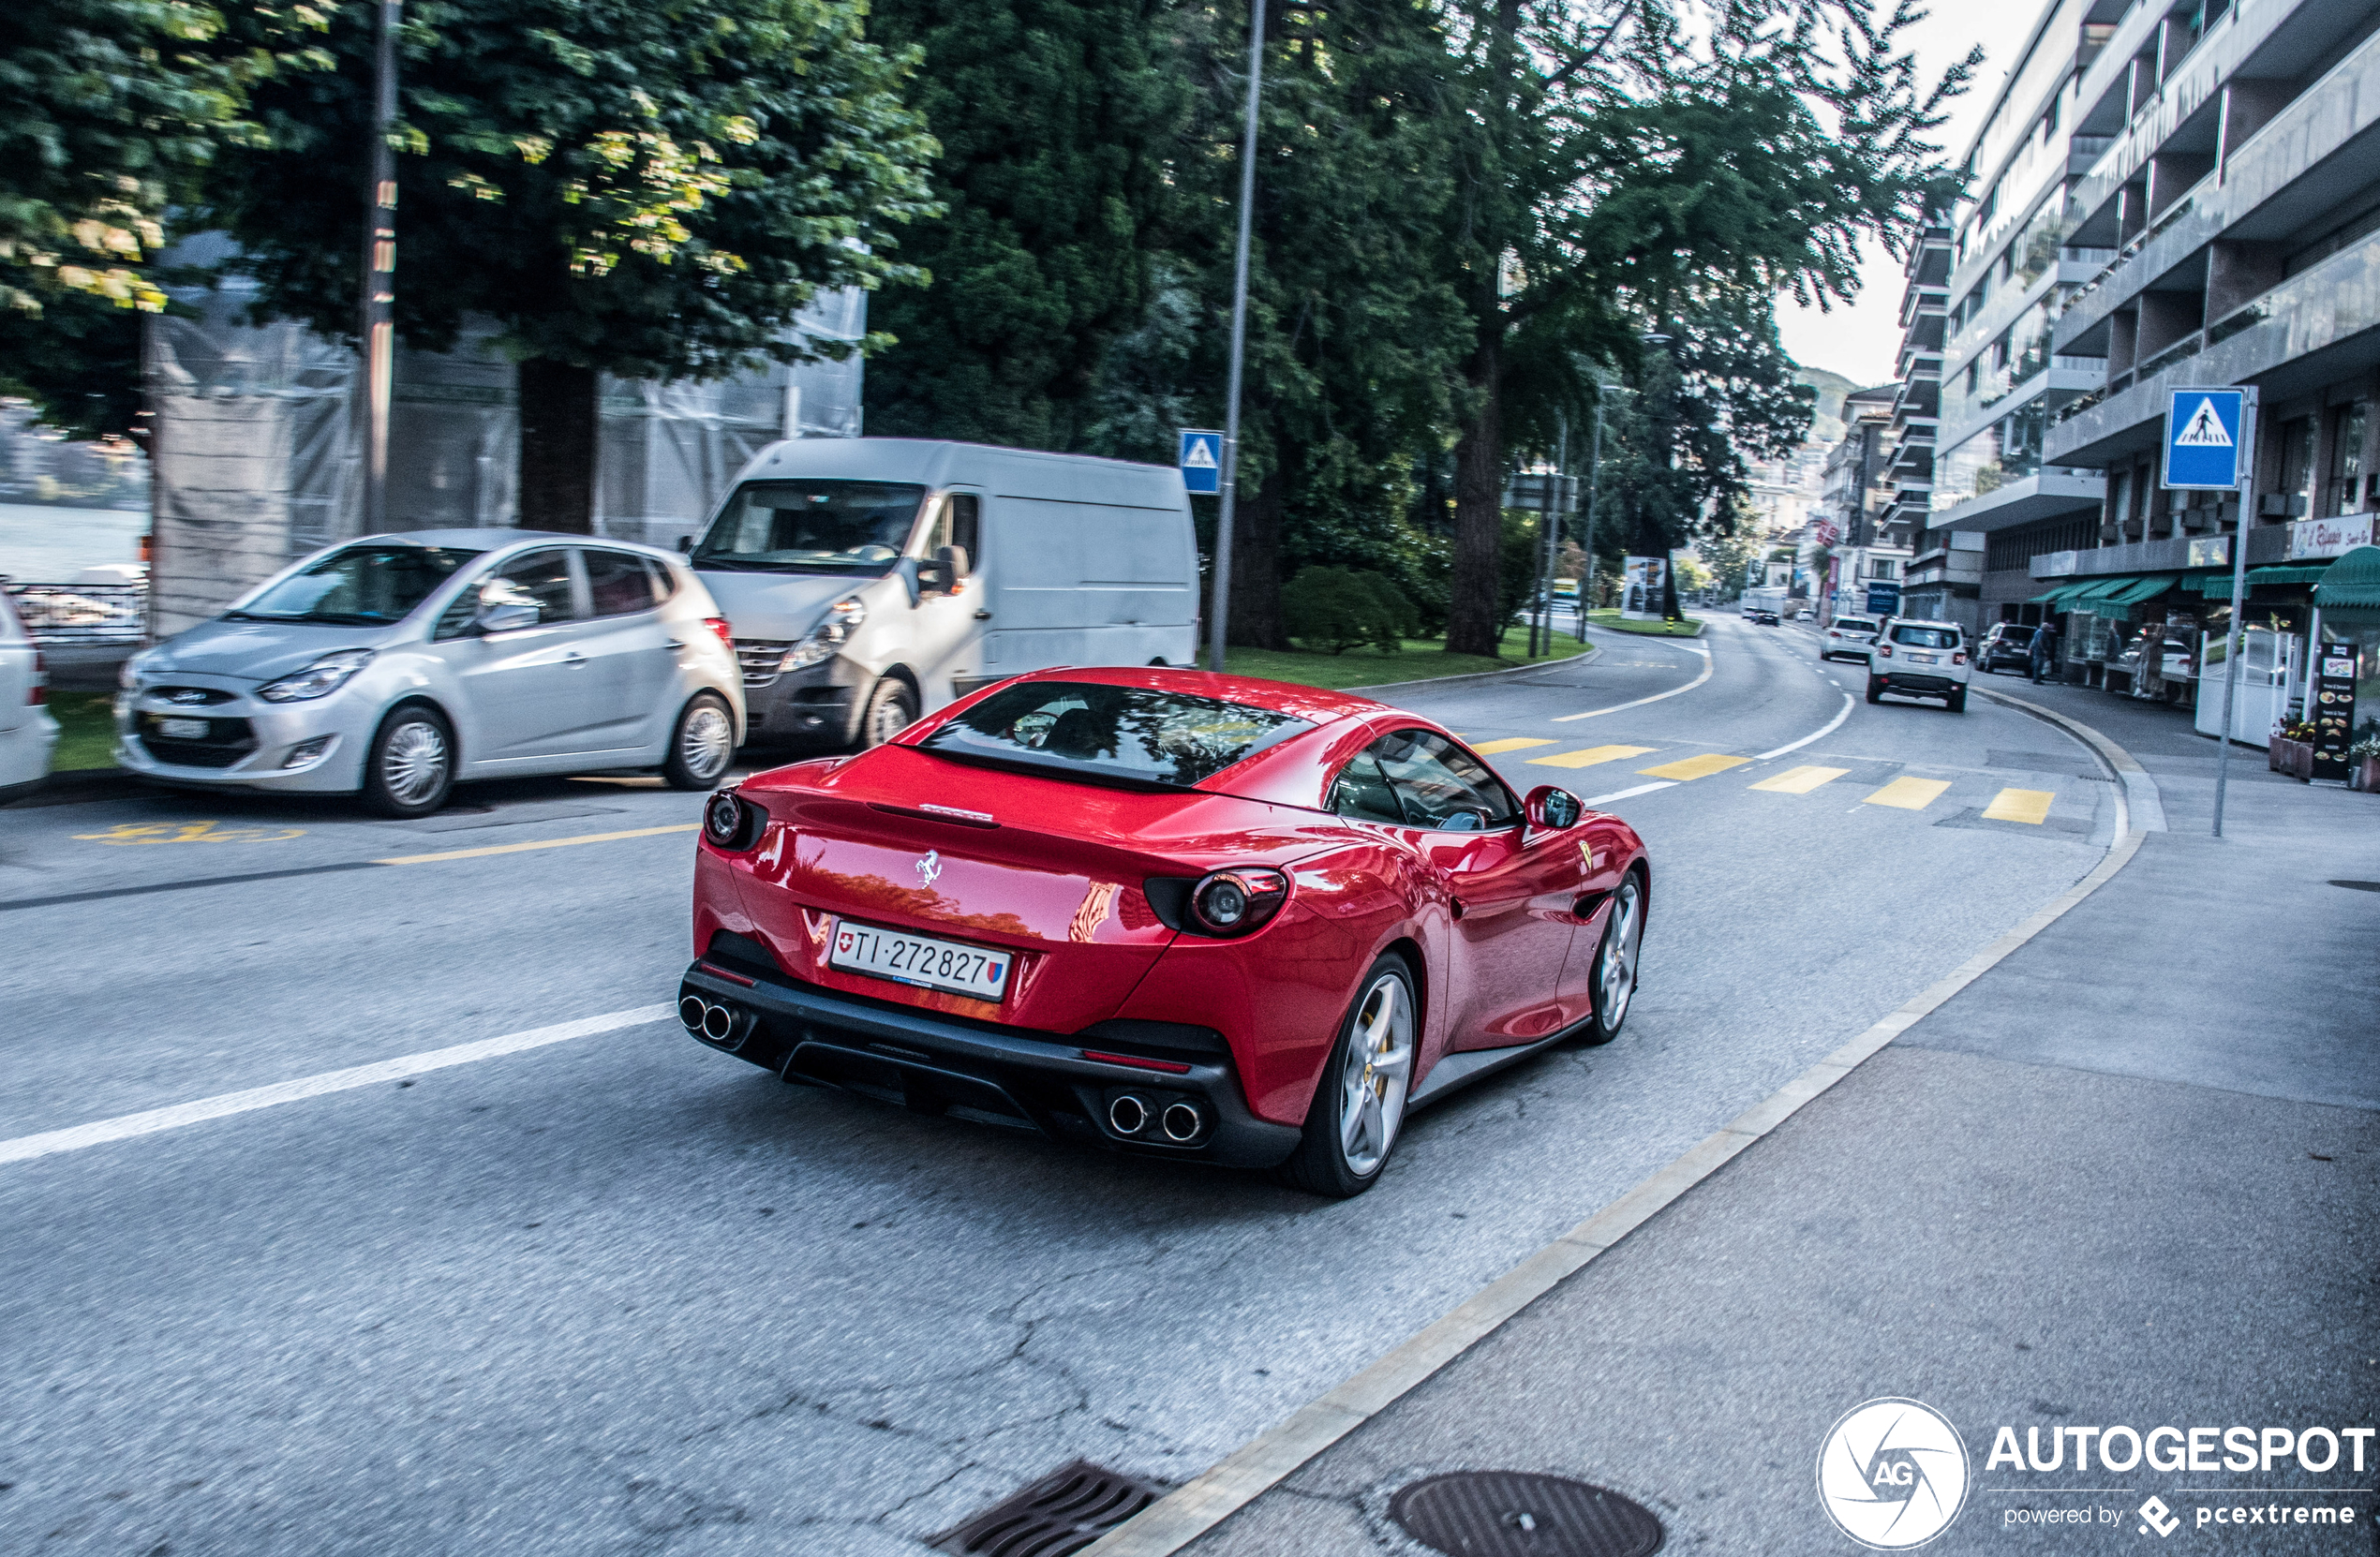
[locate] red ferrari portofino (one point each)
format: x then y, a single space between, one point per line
1178 913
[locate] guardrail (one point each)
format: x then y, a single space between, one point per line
95 614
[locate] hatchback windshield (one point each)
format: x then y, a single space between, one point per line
1135 734
357 586
1926 637
812 528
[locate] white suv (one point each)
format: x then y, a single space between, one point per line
28 733
1918 659
1847 636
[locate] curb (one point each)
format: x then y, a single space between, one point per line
1702 625
1591 650
1182 1517
2140 791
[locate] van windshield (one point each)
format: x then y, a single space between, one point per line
819 527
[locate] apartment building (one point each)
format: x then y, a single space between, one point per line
1860 542
1916 428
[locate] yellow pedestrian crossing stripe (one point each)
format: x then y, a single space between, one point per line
1800 780
1511 743
1591 756
2019 806
1695 767
1909 795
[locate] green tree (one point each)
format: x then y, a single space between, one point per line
1055 126
1621 164
650 188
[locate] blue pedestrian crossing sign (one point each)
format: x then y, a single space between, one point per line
1202 460
2202 438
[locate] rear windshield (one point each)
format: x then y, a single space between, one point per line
358 586
823 526
1136 734
1926 637
1854 624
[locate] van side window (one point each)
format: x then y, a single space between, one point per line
966 528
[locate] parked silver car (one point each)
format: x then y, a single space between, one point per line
395 665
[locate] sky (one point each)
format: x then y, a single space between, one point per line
1861 342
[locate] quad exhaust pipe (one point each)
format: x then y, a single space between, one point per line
1180 1123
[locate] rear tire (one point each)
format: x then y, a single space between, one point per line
1615 955
1957 701
892 708
409 770
1875 690
1358 1101
701 744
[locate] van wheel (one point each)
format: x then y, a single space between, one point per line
409 770
702 744
892 708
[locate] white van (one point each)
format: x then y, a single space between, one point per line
867 581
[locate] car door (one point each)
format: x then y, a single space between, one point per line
527 696
946 626
632 655
1513 898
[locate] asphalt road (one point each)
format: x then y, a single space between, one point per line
618 1292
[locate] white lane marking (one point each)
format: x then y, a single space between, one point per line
1592 713
1623 795
1829 728
125 1127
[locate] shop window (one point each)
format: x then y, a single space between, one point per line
2340 492
2295 476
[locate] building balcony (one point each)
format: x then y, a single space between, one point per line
2320 326
2027 500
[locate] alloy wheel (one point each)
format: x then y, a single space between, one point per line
1616 972
414 763
705 742
1372 1090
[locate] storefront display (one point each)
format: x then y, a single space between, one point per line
2334 710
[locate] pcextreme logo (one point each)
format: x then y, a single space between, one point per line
1891 1474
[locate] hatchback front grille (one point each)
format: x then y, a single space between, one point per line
761 658
226 742
189 697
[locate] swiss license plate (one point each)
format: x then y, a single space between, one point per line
1921 659
182 730
918 959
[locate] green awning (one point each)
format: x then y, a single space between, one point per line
2292 573
2097 592
2144 587
2354 580
2057 597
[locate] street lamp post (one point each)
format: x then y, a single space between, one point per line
376 325
1239 344
1594 484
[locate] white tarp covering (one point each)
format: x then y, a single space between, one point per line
255 454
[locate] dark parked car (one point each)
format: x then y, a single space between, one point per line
2007 646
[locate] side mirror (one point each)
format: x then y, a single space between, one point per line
942 575
1553 809
505 617
686 545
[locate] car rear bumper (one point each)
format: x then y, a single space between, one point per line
1011 1077
1917 683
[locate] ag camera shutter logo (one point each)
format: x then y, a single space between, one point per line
1891 1474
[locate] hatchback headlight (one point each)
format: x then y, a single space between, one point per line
827 639
135 671
319 679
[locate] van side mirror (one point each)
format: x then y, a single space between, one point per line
942 575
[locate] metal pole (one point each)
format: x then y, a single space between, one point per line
2232 639
1554 519
1594 484
376 327
1239 343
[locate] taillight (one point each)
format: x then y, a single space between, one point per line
1234 903
733 823
1884 649
726 634
1959 658
39 692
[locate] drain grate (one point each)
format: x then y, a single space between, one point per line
1064 1512
1517 1513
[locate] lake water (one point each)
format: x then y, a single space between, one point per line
50 545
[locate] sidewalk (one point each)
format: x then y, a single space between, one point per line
2131 1175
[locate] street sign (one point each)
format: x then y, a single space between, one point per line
2202 439
1201 461
1884 600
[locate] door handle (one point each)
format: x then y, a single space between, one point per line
573 658
983 616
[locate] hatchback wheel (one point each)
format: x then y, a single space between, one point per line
1359 1106
703 743
411 769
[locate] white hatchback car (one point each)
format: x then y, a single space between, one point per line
395 665
1847 636
1919 660
28 734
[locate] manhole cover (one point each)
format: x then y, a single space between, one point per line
1065 1511
1517 1514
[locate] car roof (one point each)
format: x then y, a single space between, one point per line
1925 622
489 538
1314 704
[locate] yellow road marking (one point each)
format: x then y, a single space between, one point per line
188 832
1695 767
2019 806
1511 743
1800 780
1909 795
547 843
1592 755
